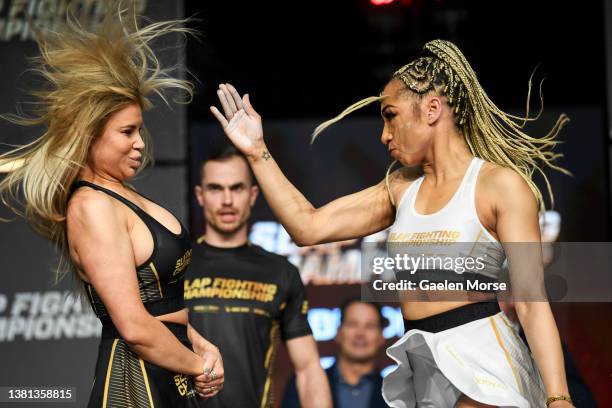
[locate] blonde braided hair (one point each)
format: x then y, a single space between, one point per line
490 133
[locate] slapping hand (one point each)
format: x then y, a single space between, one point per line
241 123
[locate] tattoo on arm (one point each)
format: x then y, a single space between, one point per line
265 155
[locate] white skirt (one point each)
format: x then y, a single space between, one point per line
484 359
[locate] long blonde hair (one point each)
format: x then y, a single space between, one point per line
88 75
490 133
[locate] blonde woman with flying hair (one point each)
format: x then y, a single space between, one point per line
128 252
459 350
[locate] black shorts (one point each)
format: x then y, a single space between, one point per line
123 379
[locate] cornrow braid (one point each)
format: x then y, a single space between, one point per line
491 134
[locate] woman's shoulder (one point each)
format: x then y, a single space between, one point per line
87 204
502 180
400 179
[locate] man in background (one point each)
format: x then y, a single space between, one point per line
354 380
244 298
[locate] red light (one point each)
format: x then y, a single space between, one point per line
381 2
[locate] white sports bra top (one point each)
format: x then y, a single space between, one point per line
454 232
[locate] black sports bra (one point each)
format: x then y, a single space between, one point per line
160 278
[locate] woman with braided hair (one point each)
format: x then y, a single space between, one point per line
476 162
126 252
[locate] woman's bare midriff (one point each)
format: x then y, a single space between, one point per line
419 304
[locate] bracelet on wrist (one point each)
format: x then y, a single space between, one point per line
554 398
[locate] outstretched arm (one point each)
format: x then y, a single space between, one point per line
519 232
351 216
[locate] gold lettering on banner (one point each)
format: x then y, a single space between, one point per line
224 288
49 14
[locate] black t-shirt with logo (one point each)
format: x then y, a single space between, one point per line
243 300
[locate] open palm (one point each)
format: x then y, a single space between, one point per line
241 123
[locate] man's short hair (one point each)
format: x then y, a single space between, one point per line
223 153
350 301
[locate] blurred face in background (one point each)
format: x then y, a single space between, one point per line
227 194
360 336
